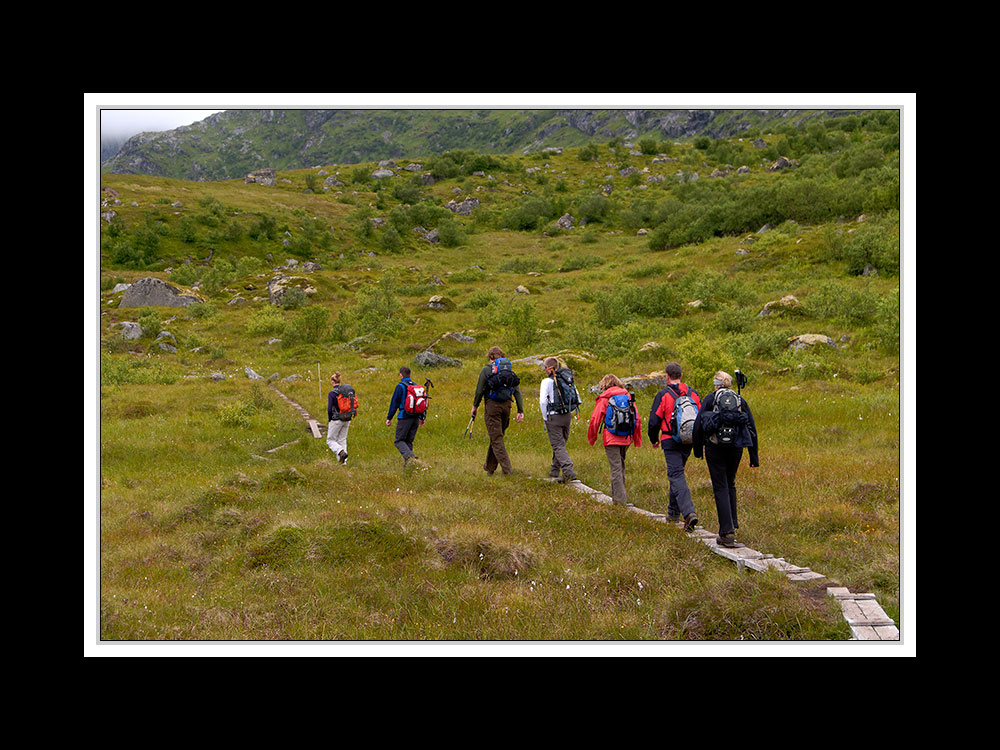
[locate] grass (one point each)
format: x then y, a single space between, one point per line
207 536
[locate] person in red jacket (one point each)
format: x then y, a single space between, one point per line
615 443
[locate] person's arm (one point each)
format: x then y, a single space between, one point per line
752 450
637 434
698 435
480 389
653 427
594 426
520 403
397 400
330 398
544 397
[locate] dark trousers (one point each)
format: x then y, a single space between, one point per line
722 466
680 503
406 430
557 428
497 420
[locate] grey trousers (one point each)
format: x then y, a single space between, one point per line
406 430
680 503
557 427
336 435
616 459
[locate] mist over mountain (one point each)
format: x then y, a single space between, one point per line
229 144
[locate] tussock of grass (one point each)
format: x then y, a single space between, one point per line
491 559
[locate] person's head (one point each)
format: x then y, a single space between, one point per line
722 380
335 379
673 371
494 352
609 381
404 372
551 365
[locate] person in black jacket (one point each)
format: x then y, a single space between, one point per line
723 435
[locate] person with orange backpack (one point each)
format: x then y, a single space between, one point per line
615 414
341 408
409 406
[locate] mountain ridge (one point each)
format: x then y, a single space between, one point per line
229 144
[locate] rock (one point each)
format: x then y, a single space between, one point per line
432 359
655 380
237 301
383 173
291 379
266 176
464 208
413 167
120 288
695 303
427 179
760 143
870 270
167 347
807 340
130 330
152 292
788 302
743 170
522 290
217 376
649 346
438 302
251 374
432 236
781 163
165 335
279 286
765 228
565 222
332 181
642 233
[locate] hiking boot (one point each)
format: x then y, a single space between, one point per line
671 518
342 457
690 521
419 464
729 540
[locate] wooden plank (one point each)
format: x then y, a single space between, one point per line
887 632
314 426
865 633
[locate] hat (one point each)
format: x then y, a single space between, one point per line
551 362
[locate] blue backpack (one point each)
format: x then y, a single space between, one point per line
620 417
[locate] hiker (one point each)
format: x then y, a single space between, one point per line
671 424
409 405
557 398
725 427
498 385
341 408
615 414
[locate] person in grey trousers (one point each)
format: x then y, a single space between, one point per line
557 418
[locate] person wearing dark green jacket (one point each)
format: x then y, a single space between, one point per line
497 410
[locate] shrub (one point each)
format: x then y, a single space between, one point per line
292 299
185 275
588 152
482 299
577 262
844 302
265 321
150 323
309 326
450 233
219 275
375 310
202 310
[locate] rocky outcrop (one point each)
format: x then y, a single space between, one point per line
266 176
809 340
152 292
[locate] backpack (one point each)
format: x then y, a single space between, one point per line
685 412
347 402
620 417
565 392
727 403
415 401
501 380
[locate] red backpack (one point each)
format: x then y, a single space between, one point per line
416 399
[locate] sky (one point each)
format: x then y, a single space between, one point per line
128 122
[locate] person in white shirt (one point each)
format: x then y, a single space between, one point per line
557 415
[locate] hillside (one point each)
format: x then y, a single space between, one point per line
229 144
222 518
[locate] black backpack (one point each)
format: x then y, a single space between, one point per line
501 380
564 389
727 405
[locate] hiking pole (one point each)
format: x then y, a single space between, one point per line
468 430
741 380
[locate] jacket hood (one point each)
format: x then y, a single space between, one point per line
614 391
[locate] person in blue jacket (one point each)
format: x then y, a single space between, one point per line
409 415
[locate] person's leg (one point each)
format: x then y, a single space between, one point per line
616 461
333 436
731 468
557 428
405 432
680 503
497 420
716 460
